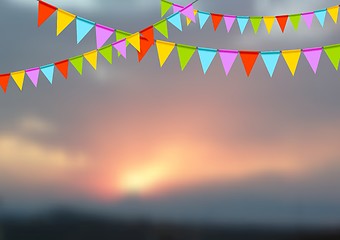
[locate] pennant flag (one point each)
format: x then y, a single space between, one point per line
45 10
103 33
270 60
121 47
146 42
206 55
177 8
269 22
4 80
63 20
92 58
333 53
248 59
33 74
48 71
77 63
83 28
18 78
134 40
120 35
308 17
63 67
242 23
165 7
175 20
229 21
203 17
255 22
228 58
188 11
106 52
189 20
164 50
295 20
292 59
321 16
313 56
148 34
162 27
282 20
185 53
216 19
334 13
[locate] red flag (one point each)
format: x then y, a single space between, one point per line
148 33
45 10
63 67
248 59
147 40
282 20
216 19
4 79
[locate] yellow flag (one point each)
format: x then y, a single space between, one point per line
134 40
269 21
63 20
92 57
18 78
333 12
189 20
164 50
292 59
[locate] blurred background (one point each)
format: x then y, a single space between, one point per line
139 152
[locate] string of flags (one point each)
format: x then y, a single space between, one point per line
190 13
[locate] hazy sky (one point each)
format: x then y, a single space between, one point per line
192 146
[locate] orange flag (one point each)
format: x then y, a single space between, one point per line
45 10
147 40
4 79
216 19
282 20
248 59
63 67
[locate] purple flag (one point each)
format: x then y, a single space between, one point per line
228 58
229 21
188 11
103 33
313 56
177 8
33 74
121 47
308 17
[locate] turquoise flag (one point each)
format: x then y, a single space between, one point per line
83 28
270 59
175 20
48 71
206 55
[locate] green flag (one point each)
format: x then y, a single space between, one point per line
77 62
162 27
106 52
333 53
255 22
295 20
165 7
185 53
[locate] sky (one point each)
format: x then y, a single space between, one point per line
133 139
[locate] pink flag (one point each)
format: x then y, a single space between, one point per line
228 58
33 74
308 17
313 56
188 11
121 47
177 8
103 33
229 21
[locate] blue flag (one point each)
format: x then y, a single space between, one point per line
242 22
83 28
175 20
48 71
207 55
270 59
203 17
321 15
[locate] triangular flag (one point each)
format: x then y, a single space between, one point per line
121 47
147 41
321 16
282 20
334 12
63 20
270 60
164 50
248 59
45 10
189 20
313 56
255 22
188 11
92 58
295 20
206 55
333 53
33 74
134 40
103 33
242 22
292 59
148 34
269 22
77 62
165 7
106 52
229 21
177 8
4 80
175 19
216 19
48 71
308 17
228 58
18 78
185 53
120 35
63 67
84 26
162 27
203 17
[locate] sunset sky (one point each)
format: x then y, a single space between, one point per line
138 140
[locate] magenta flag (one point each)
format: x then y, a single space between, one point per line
33 74
189 12
313 56
228 58
229 21
308 18
121 47
103 33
